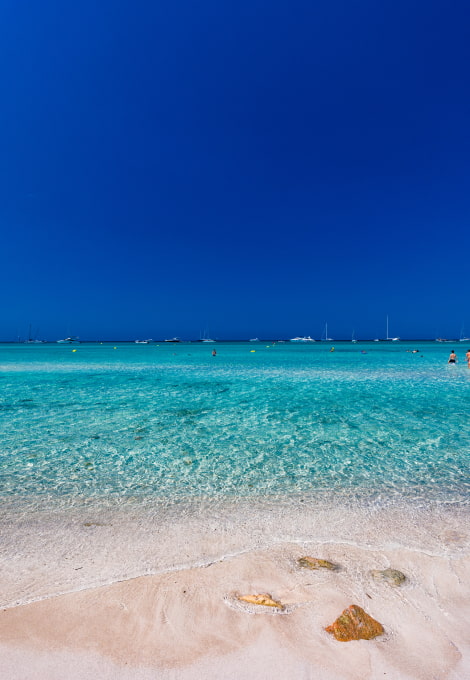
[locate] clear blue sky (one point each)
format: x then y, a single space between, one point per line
251 168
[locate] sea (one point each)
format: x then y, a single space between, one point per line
167 436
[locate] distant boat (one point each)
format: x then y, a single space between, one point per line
31 340
173 340
143 342
353 338
462 337
391 339
325 337
71 340
254 339
304 338
206 338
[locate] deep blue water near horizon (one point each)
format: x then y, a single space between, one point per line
170 421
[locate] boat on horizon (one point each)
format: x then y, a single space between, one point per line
172 340
32 340
204 337
143 342
462 336
325 337
304 338
254 340
71 340
388 338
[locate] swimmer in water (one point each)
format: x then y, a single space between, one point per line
214 353
467 356
452 358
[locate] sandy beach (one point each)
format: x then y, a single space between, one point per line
113 594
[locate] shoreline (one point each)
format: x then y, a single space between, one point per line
183 624
137 593
91 545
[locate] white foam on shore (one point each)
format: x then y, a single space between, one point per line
49 551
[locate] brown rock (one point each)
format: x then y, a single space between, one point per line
315 563
355 624
391 576
264 599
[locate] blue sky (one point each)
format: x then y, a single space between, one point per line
251 168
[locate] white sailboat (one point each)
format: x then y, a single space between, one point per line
389 338
32 340
462 335
325 337
206 338
353 338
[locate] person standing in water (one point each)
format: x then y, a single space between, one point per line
452 358
467 356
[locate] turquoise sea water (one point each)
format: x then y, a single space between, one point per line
172 422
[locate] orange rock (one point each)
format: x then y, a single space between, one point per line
355 624
264 599
315 563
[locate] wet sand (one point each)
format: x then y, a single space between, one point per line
182 619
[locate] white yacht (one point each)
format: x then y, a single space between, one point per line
71 340
173 340
304 338
254 339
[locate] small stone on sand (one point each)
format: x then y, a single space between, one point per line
391 576
263 599
315 563
355 624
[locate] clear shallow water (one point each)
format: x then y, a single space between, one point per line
173 422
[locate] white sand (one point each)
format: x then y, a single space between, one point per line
181 621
